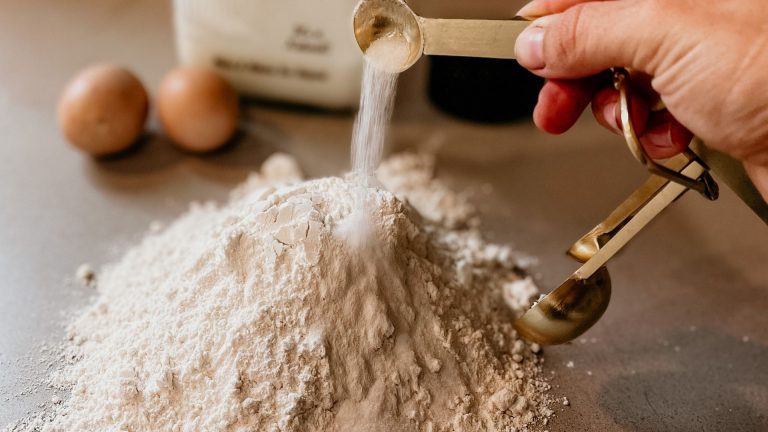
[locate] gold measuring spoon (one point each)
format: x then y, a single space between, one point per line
577 304
381 19
580 301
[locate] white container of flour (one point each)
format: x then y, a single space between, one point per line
294 51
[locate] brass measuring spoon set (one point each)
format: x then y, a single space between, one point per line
580 301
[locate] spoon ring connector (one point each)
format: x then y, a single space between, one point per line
705 184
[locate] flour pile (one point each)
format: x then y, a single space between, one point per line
259 316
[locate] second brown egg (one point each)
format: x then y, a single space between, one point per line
197 108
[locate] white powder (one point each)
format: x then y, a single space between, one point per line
390 54
85 274
519 290
377 99
258 316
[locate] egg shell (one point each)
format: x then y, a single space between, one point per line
103 109
197 108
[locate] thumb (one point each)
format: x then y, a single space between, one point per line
591 37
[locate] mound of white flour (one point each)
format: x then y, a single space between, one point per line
260 316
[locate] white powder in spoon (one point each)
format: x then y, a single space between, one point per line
258 316
390 54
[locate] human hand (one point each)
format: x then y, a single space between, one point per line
707 61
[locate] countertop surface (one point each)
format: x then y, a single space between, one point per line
682 347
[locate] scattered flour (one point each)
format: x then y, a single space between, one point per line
85 274
258 316
516 293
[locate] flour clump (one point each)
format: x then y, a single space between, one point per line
259 316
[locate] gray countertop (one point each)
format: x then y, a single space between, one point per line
683 345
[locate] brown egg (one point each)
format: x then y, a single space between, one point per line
198 108
103 109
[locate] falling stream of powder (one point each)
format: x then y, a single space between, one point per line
377 98
369 133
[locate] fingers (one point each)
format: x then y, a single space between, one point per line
664 136
590 37
607 111
578 39
539 8
605 108
660 134
561 104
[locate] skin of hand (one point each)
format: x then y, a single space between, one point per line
706 60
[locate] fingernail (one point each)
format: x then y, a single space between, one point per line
532 10
610 112
529 48
660 135
658 142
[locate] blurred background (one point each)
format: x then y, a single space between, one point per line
682 347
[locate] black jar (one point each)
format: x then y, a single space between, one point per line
482 90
